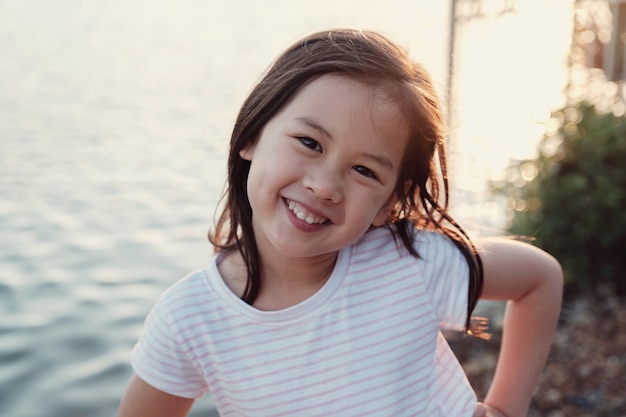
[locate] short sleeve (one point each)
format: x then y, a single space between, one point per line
162 360
446 276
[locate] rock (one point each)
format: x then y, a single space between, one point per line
585 375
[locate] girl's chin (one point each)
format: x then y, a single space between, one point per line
303 249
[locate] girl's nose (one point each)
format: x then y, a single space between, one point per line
325 185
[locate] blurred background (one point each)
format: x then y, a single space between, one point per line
114 125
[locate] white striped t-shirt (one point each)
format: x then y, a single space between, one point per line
368 343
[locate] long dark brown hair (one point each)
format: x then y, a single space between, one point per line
422 188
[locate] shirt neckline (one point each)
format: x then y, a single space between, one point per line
293 313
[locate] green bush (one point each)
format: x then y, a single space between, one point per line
572 197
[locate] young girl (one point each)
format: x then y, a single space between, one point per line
337 262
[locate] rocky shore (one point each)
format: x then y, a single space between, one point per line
586 371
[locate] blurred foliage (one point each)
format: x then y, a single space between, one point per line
572 197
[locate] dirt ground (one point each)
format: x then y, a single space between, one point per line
585 375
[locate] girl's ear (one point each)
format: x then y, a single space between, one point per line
247 152
385 211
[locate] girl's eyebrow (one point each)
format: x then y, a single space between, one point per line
380 159
307 121
311 123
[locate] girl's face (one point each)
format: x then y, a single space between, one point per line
324 169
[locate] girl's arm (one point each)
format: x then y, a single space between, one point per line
143 400
532 282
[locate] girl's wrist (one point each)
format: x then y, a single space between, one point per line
486 410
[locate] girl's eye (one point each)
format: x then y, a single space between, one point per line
311 144
366 172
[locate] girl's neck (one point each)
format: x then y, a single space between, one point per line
284 282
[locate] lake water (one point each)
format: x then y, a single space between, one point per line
114 123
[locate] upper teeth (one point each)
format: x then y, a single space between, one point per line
304 215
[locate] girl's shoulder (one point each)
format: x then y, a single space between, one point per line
191 289
422 240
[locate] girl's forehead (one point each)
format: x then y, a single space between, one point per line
333 81
341 92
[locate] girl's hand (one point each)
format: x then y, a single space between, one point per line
484 410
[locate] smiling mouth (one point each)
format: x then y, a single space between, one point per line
305 215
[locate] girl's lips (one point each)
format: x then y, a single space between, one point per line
304 214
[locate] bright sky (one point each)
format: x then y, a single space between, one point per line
511 72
